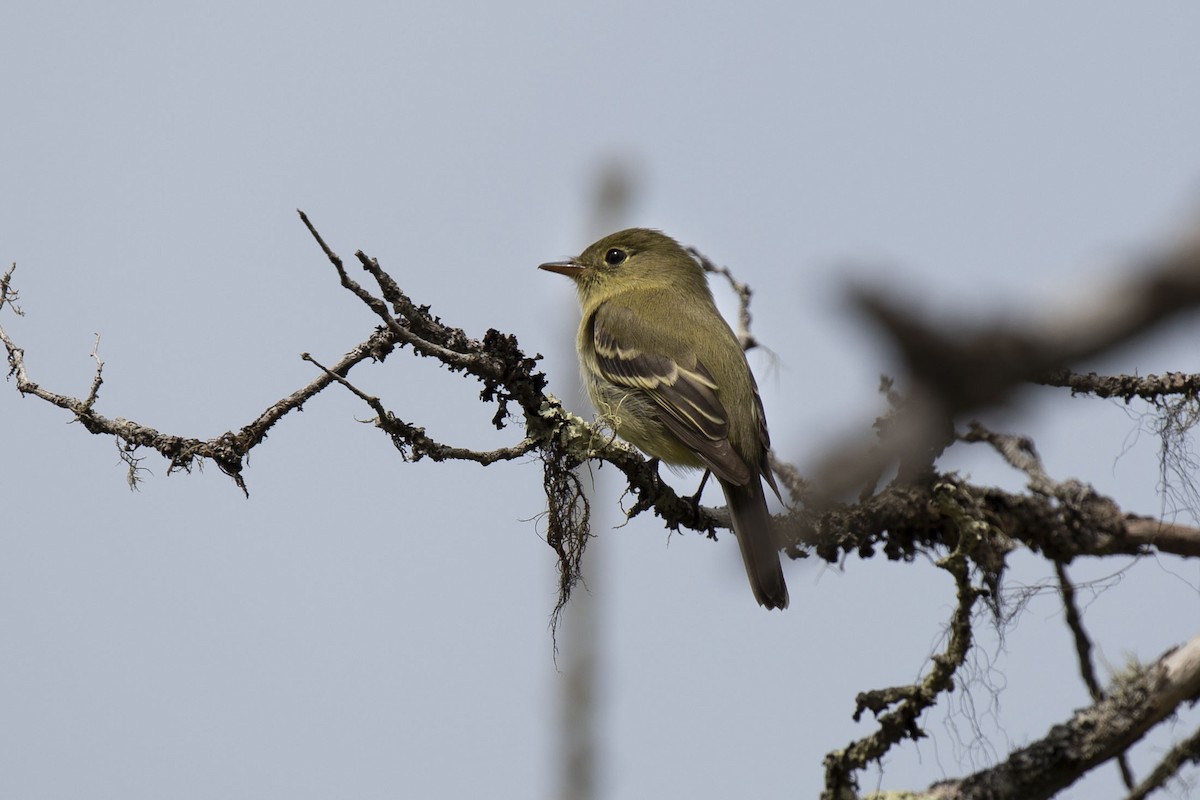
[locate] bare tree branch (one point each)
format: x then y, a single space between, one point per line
910 702
743 292
1126 387
958 368
411 440
1183 753
969 529
1083 651
9 295
1135 703
1165 537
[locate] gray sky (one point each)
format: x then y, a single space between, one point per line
363 627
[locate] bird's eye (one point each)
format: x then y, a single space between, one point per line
614 257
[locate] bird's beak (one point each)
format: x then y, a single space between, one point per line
570 268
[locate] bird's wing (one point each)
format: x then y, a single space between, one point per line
680 385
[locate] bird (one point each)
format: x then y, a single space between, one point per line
665 370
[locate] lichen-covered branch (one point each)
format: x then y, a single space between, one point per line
1125 387
508 377
898 709
1180 755
743 292
228 451
1133 704
970 529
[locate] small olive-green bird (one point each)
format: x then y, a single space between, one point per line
664 368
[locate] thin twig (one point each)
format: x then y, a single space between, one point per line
8 295
94 392
412 441
1135 703
1083 652
1183 753
743 292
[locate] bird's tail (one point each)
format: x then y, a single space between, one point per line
760 551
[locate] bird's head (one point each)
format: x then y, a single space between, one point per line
629 259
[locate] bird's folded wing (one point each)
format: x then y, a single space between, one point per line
687 395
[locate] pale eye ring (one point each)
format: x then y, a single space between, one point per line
615 256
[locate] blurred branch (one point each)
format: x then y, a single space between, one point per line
958 368
965 367
1183 753
577 750
1165 537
